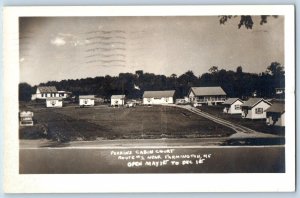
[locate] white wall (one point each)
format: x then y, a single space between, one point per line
46 95
117 102
54 103
232 109
39 95
86 102
156 101
33 96
191 96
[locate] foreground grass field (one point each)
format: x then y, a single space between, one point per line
71 123
258 125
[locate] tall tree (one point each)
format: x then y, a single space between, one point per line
245 20
25 92
213 69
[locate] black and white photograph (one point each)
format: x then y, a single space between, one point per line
154 94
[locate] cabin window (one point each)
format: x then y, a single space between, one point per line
85 101
149 99
167 99
259 110
237 107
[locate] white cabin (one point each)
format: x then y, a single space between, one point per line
207 95
117 100
255 108
86 100
233 106
54 102
158 97
276 115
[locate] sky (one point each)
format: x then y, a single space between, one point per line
58 48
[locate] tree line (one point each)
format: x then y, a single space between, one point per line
235 83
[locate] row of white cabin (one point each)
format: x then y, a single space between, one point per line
257 108
203 95
254 108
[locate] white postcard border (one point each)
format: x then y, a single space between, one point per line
64 183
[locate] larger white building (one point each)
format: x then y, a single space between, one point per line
44 92
158 97
207 95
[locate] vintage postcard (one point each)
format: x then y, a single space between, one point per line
149 99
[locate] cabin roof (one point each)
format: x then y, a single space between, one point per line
117 96
208 91
159 94
251 102
47 89
230 101
277 108
87 97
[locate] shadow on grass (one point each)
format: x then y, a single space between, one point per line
56 144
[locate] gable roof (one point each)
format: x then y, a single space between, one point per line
251 102
277 108
159 94
117 96
208 91
230 101
47 89
87 97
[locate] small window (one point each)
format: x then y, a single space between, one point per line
167 99
237 107
149 99
259 110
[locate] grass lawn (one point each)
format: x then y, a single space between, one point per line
70 123
258 125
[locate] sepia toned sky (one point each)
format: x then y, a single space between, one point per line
57 48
